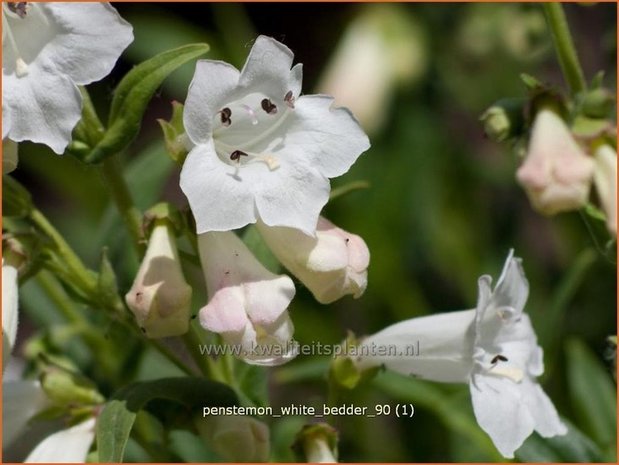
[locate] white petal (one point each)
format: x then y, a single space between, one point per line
501 412
547 422
66 446
512 288
21 400
212 86
445 344
605 179
10 313
330 138
42 106
89 39
267 69
219 200
293 195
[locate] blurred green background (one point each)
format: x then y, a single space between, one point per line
442 209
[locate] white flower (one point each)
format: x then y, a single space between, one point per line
10 312
160 298
332 264
247 303
69 445
492 347
262 151
48 50
557 173
317 450
605 179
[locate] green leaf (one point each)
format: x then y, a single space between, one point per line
592 393
119 414
572 447
133 94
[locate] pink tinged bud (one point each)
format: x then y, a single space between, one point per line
247 303
160 298
331 265
605 179
557 173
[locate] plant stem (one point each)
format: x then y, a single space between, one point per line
124 202
192 342
564 45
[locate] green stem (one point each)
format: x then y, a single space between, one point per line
192 342
85 278
124 202
564 45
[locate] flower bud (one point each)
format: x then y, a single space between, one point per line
556 173
177 142
331 265
236 438
504 119
598 103
247 303
605 179
9 156
160 298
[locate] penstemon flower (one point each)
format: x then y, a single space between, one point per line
331 265
48 50
262 151
492 347
557 173
247 303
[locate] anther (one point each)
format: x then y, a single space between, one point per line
19 8
498 358
269 107
289 99
225 115
236 155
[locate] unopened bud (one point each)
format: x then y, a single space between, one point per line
236 438
504 119
598 103
160 298
176 141
9 156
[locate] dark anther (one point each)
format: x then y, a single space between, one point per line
498 358
225 115
236 155
268 106
289 99
19 8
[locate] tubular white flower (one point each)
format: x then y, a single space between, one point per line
160 298
492 347
66 446
605 179
48 50
262 151
247 303
10 313
332 264
557 173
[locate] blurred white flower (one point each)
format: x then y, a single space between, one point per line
262 151
247 303
332 264
160 298
556 173
69 445
10 157
10 313
48 49
492 347
605 179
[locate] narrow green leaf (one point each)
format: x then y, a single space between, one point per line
133 94
592 393
119 414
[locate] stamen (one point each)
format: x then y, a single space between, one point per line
225 115
254 119
19 8
268 106
21 68
498 358
515 374
236 155
289 99
270 161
